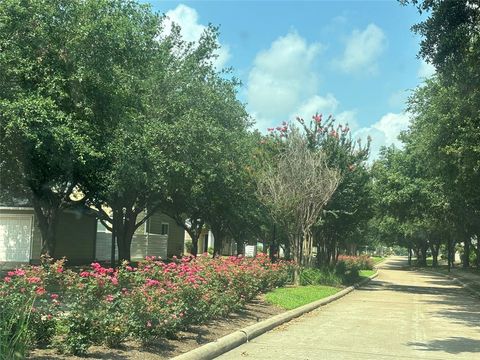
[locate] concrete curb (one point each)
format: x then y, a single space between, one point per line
465 285
224 344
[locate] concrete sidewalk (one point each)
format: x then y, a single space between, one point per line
468 277
400 315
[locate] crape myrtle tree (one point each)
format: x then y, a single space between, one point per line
264 150
346 214
295 186
65 70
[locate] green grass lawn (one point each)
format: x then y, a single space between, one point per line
377 259
293 297
366 273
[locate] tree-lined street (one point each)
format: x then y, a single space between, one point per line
161 170
401 314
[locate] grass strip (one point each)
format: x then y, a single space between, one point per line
293 297
377 259
366 273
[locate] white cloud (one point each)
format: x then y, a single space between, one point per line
363 49
316 104
282 78
385 131
326 105
391 125
348 117
283 84
188 20
425 70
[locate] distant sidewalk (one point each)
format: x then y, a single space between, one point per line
468 277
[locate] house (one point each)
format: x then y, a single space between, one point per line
80 237
206 242
158 236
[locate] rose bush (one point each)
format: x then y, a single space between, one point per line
75 309
362 262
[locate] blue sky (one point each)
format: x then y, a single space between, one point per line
353 59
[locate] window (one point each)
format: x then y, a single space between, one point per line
164 230
156 227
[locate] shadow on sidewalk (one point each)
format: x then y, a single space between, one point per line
452 345
456 304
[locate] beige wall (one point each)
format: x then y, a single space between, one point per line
79 241
176 234
76 232
146 243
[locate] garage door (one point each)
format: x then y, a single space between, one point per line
15 237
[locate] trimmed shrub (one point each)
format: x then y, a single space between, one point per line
100 305
362 262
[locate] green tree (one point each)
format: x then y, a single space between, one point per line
347 212
444 133
450 39
65 70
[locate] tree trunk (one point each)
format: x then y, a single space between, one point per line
478 252
272 247
47 219
217 244
409 256
112 250
424 255
123 249
124 225
466 252
295 240
307 248
320 250
449 254
240 247
434 246
217 240
288 251
194 250
298 260
195 230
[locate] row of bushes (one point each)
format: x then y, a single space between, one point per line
345 272
71 311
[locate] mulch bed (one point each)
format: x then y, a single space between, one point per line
198 335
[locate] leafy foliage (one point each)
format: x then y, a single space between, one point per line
151 301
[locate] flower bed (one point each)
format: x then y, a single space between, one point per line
73 310
362 262
348 267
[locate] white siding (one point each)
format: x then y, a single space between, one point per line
15 237
103 247
157 245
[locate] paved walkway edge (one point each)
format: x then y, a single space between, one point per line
457 280
224 344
